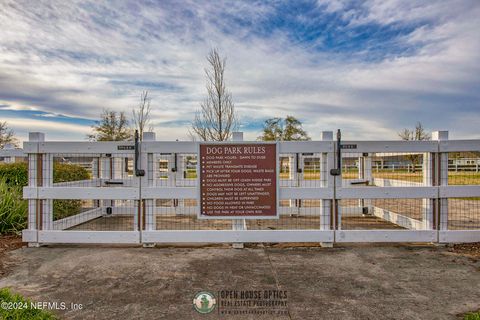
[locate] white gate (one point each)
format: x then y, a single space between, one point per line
388 191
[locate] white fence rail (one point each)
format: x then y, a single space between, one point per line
424 201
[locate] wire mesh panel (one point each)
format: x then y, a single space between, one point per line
306 214
95 215
173 169
302 170
384 169
369 214
89 170
463 168
181 214
463 214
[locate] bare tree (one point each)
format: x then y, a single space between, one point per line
7 136
112 126
419 134
216 119
141 115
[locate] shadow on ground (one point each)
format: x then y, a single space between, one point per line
349 282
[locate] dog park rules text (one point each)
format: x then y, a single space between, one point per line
238 180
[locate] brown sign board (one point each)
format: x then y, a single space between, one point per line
238 180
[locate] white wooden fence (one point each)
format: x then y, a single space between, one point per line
361 205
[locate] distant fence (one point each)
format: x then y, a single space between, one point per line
430 201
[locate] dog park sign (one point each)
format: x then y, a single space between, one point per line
238 180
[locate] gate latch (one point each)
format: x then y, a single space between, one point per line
338 170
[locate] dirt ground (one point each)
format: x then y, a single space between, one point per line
8 243
344 282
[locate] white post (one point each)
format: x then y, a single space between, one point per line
427 204
34 205
238 224
428 181
326 162
47 176
443 179
148 181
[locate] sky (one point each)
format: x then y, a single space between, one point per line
370 68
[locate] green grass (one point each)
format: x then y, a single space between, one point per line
13 209
15 307
472 316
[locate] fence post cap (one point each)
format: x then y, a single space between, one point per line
237 136
149 136
440 135
326 135
36 136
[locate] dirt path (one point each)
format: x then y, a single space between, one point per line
350 282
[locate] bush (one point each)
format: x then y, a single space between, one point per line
13 209
26 311
14 174
65 172
472 316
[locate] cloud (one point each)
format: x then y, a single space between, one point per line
369 67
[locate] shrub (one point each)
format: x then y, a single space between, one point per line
472 316
14 174
13 209
27 311
65 172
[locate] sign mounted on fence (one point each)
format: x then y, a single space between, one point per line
128 147
238 180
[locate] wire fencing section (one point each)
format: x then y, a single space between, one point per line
101 170
412 186
383 214
459 180
95 215
179 170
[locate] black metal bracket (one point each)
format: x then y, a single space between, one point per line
338 170
297 163
174 169
114 182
